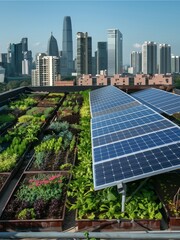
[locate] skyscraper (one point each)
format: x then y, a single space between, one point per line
24 42
14 58
165 58
52 47
136 62
47 69
149 58
19 59
84 54
115 52
101 56
27 63
67 48
175 64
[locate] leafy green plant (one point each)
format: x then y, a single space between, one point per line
23 103
7 161
72 143
41 187
5 118
39 158
26 213
59 126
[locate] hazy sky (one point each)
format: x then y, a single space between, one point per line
138 21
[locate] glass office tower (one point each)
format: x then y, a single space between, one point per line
67 48
52 48
115 52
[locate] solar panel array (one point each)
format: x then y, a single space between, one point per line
161 101
130 143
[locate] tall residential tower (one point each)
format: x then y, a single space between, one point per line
115 52
136 62
149 58
164 58
175 64
84 54
47 69
67 48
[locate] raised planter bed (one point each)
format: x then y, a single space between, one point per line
51 100
118 225
37 203
168 189
53 162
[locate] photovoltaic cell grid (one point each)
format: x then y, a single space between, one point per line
135 135
117 108
137 166
125 125
121 118
132 145
109 99
133 109
166 102
132 132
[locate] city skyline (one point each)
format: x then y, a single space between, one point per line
138 21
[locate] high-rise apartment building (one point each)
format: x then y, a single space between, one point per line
52 47
47 69
136 62
101 56
149 58
3 62
27 63
115 52
164 58
2 74
67 48
84 54
175 64
27 57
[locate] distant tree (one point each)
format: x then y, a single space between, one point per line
2 87
25 83
12 84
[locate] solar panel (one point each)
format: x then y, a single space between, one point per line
136 144
125 125
130 141
133 109
132 132
109 99
116 108
160 100
137 166
122 118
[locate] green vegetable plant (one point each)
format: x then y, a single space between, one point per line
26 213
41 187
